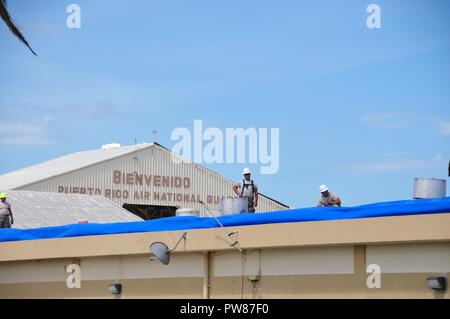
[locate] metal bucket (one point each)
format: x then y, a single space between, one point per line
187 212
234 205
429 188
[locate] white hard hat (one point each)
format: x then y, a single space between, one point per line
323 188
246 171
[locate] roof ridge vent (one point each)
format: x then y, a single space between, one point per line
110 146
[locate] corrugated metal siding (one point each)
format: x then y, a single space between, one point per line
40 209
151 161
62 165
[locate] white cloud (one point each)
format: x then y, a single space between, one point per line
33 133
21 128
42 27
397 164
444 127
33 124
395 121
25 141
386 120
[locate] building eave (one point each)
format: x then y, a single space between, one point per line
365 231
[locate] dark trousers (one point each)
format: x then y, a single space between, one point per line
4 221
250 205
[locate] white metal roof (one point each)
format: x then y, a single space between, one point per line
62 165
41 209
75 161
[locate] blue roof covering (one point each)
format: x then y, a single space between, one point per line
384 209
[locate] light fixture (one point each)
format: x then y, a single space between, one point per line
437 282
162 252
115 289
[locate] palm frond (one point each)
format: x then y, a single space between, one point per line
10 23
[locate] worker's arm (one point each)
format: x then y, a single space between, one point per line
11 215
235 189
256 199
337 202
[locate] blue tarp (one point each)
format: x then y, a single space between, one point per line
396 208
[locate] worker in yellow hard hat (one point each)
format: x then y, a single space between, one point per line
6 216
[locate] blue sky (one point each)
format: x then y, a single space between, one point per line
361 110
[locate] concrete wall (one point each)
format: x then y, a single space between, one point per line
329 272
288 262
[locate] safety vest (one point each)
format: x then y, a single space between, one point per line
243 186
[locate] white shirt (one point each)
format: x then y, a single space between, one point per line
248 188
332 197
4 208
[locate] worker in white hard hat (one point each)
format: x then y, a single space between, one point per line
6 216
248 189
328 198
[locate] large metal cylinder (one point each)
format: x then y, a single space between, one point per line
187 212
429 188
234 205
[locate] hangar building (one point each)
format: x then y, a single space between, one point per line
146 179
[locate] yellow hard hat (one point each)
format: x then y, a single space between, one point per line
3 195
